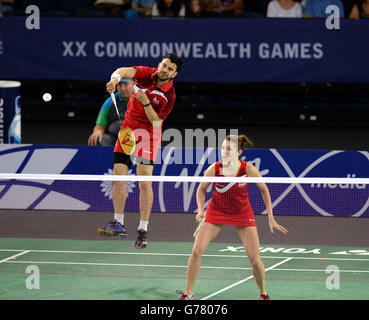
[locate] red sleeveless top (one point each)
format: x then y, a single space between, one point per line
230 201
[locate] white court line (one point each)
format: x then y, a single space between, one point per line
184 254
320 270
123 264
14 256
171 266
244 280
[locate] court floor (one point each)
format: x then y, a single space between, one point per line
32 269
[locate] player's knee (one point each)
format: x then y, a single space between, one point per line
197 252
145 186
120 169
255 261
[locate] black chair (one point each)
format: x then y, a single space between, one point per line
314 102
274 101
235 100
348 102
43 5
70 6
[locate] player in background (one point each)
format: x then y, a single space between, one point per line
105 132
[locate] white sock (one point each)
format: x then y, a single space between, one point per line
143 225
119 217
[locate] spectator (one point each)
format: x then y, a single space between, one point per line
199 8
6 6
255 9
284 9
107 126
227 8
316 8
168 8
360 10
113 8
143 7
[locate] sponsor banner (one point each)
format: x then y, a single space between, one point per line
214 50
351 200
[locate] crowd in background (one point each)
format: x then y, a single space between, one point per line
356 9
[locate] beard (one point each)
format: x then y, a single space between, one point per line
163 78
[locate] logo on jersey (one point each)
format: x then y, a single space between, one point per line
229 186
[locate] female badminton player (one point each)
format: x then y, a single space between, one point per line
230 205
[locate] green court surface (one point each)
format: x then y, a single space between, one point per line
111 269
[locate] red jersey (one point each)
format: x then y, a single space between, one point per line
230 202
162 101
161 98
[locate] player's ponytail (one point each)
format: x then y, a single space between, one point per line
242 141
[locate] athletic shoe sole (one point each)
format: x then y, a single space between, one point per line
108 233
140 247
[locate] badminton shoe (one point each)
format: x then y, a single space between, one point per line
264 297
186 297
114 229
141 242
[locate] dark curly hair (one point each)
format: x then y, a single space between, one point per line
174 59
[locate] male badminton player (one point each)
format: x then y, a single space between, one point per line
151 101
230 205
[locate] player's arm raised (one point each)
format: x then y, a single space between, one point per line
201 191
253 172
120 73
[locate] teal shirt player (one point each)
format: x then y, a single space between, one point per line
103 117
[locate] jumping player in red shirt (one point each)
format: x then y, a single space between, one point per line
230 205
152 100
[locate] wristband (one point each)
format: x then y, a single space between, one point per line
116 76
146 105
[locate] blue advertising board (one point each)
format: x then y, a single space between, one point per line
347 200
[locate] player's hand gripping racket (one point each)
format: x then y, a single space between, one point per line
202 219
126 137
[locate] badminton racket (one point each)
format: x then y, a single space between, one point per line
126 137
199 226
